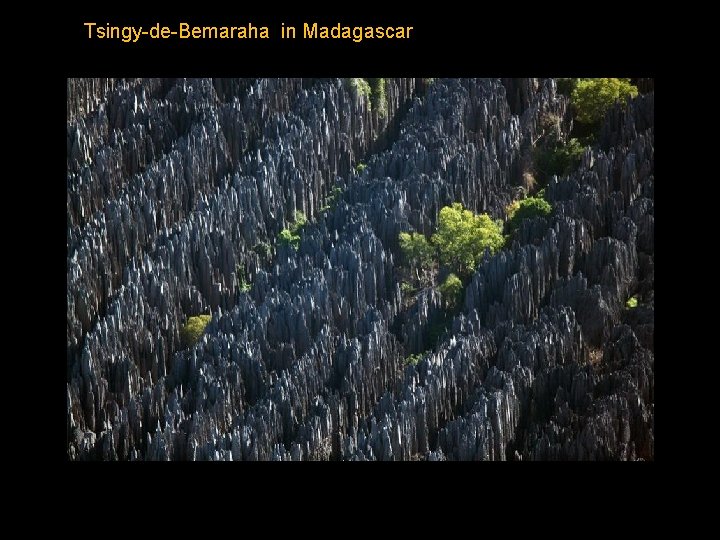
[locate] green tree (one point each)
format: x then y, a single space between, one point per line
526 208
194 328
592 98
462 237
418 252
451 289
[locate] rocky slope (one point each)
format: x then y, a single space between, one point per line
178 186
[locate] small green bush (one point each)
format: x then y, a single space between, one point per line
527 208
242 284
332 199
416 249
406 288
418 252
360 167
373 89
550 128
632 302
566 86
263 249
511 208
413 359
300 221
591 98
558 159
289 239
361 86
194 328
569 155
377 96
451 289
290 235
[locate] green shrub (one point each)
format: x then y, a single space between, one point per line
361 86
242 283
558 159
360 167
418 252
299 223
416 249
413 359
263 249
462 237
566 86
451 289
332 199
591 98
377 96
632 302
194 328
406 288
511 208
290 236
527 208
289 239
373 89
569 155
550 128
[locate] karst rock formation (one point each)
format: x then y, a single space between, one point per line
178 188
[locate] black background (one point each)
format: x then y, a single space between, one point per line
508 40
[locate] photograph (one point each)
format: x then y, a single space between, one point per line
360 269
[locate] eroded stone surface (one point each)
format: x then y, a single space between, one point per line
172 183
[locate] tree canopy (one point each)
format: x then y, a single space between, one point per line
593 97
193 329
462 237
416 248
459 242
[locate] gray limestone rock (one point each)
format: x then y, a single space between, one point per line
178 189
